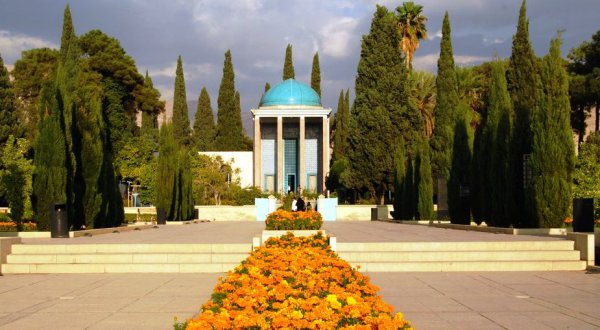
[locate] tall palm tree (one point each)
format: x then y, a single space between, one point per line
423 94
411 28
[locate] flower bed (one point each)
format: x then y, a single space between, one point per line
286 220
8 226
296 283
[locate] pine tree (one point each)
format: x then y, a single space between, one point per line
181 121
9 123
204 123
552 157
446 106
288 66
524 85
230 132
424 183
315 75
382 115
151 106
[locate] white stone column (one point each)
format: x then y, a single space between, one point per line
281 185
257 154
325 157
301 155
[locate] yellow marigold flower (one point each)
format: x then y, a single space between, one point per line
297 315
333 301
351 301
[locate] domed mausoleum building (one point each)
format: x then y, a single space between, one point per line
291 139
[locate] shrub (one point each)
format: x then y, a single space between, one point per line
296 283
28 226
5 217
286 220
143 217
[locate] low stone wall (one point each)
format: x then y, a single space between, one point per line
6 244
584 242
142 210
248 212
227 213
354 212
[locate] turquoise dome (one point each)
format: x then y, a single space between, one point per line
290 92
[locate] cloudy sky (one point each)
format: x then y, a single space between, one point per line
155 32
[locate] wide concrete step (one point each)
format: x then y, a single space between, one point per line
126 258
129 248
116 268
475 266
425 256
554 245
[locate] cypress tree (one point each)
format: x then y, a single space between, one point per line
49 184
446 106
460 171
338 143
315 75
68 37
523 85
409 206
181 121
90 187
90 157
185 196
167 171
230 132
498 153
9 123
66 85
204 123
267 87
288 66
399 182
381 115
552 157
480 202
344 121
424 183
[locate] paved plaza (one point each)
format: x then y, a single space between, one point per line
458 300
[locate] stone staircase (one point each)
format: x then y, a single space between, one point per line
543 255
536 255
124 258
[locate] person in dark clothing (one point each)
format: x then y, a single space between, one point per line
300 204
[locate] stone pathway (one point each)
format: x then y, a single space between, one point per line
485 300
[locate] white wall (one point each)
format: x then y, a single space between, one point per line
242 160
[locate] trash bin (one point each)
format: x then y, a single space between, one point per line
161 216
196 215
583 215
59 224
